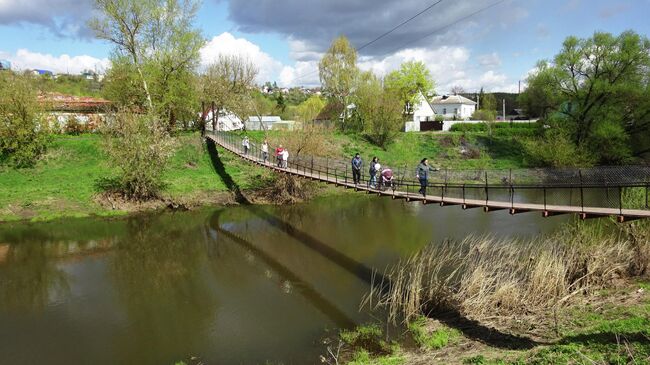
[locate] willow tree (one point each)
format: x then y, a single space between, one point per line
161 45
338 71
229 82
412 78
379 110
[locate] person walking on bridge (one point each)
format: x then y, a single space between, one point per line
285 158
278 155
422 175
246 144
265 150
357 164
374 167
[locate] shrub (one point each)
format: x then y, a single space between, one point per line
555 149
141 147
23 132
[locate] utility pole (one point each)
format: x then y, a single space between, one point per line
504 110
519 92
478 101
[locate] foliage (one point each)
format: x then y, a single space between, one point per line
481 127
433 340
122 85
599 87
228 83
141 147
379 111
310 108
412 77
157 38
77 85
23 132
338 70
487 113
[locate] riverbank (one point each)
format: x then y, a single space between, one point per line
577 296
66 182
610 326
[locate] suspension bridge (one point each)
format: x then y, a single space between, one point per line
620 191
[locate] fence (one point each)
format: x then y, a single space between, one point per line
616 190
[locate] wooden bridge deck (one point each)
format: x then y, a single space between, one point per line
547 210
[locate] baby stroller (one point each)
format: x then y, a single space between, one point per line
386 180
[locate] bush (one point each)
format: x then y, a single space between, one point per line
141 147
23 132
555 149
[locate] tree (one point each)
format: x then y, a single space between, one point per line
338 71
412 77
310 108
228 83
457 89
379 109
23 131
158 38
140 148
598 86
488 112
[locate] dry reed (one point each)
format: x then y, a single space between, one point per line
484 276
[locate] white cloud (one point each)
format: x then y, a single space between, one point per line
490 60
24 59
227 44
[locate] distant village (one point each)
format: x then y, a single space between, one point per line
431 113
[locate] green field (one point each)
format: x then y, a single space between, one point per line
65 181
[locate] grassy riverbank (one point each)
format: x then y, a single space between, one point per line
579 296
65 181
608 327
453 150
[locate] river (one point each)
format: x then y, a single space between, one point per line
236 285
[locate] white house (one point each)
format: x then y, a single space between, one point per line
226 121
422 112
453 106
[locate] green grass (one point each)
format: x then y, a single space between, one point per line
435 340
363 357
64 182
442 149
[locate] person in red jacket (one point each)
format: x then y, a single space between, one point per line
278 155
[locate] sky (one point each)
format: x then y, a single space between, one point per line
474 44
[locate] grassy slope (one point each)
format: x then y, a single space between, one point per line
64 182
409 148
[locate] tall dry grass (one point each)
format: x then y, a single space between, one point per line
486 276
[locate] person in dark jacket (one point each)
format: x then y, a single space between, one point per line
374 167
423 175
357 164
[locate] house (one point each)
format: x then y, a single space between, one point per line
226 121
424 116
453 106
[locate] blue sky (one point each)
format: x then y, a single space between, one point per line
493 49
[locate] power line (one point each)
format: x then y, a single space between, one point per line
448 25
429 34
384 34
400 25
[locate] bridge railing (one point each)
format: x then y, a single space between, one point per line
617 187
